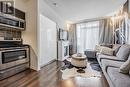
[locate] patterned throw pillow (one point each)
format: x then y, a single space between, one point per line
97 48
106 51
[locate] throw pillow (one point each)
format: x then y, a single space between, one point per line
106 51
125 67
106 45
123 52
97 48
116 48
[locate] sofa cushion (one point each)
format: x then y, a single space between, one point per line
102 56
125 67
106 56
106 51
116 48
107 63
118 79
123 52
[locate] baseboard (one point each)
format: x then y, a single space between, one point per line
48 63
34 68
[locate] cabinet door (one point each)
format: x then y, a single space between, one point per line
48 40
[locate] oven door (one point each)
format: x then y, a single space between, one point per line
10 56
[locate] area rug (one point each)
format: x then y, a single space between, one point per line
95 66
67 64
71 71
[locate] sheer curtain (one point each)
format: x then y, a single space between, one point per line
87 35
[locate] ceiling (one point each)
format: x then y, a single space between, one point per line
77 10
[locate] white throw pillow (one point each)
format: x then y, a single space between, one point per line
98 48
125 67
106 51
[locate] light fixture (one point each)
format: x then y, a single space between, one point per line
55 4
68 27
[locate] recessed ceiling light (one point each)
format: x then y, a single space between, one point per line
55 4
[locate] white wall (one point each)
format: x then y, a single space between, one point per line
33 8
30 34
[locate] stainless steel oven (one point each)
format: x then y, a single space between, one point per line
11 57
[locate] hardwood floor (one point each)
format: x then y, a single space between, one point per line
50 76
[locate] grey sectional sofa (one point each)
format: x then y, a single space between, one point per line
110 66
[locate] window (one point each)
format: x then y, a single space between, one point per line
87 35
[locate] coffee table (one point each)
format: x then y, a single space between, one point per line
79 62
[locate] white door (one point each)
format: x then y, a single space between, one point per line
48 40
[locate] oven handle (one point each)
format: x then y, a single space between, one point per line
20 57
13 50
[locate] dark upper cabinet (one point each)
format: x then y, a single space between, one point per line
19 14
10 10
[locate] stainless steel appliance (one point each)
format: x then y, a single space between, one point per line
10 57
14 56
10 21
11 17
13 59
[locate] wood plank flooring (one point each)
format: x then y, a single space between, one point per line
50 76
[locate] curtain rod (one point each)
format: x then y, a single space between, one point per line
93 19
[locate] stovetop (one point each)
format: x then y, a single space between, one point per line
5 44
9 46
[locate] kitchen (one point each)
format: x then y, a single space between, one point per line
25 31
14 55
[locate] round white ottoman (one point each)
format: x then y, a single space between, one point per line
79 61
